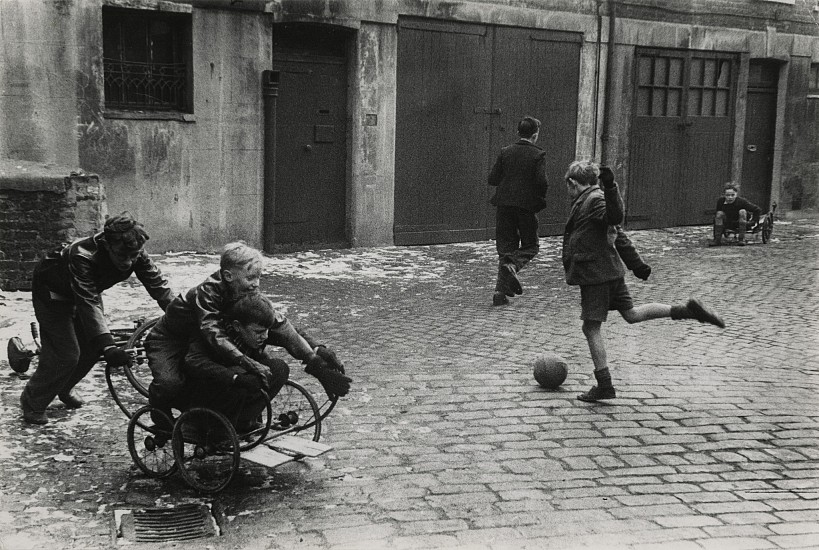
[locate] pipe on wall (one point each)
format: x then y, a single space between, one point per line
605 146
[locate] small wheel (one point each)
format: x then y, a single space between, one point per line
138 371
127 397
206 449
295 412
767 231
149 442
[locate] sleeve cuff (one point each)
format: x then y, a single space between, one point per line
103 341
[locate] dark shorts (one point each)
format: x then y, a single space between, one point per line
597 300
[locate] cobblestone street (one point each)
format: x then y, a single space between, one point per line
446 441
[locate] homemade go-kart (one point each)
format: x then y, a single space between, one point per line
762 227
201 443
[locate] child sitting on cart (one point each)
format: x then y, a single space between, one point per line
198 315
219 382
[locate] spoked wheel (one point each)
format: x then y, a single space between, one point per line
127 397
149 442
250 439
767 231
206 449
295 412
138 372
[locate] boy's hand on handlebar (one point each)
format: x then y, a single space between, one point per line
333 382
331 358
117 357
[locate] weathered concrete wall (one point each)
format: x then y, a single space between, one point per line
41 207
197 182
194 183
373 135
37 84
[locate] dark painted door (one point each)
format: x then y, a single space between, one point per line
306 166
681 136
536 73
760 123
462 89
443 112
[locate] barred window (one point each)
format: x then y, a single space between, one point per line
146 60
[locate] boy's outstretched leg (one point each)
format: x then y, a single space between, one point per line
694 309
597 347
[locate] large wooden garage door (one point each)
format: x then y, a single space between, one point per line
462 88
682 136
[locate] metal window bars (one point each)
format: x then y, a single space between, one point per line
132 85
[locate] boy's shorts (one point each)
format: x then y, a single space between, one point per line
597 300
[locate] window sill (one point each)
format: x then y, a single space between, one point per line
149 115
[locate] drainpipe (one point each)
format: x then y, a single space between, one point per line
605 150
597 79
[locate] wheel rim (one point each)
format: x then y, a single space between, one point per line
149 445
206 449
295 412
127 397
138 373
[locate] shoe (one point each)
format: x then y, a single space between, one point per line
714 243
597 393
30 415
740 243
703 314
512 281
499 299
71 401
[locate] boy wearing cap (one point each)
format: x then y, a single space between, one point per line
67 288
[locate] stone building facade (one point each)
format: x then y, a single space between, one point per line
359 123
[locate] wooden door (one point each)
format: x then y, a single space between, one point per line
462 88
305 176
441 136
681 136
760 125
536 73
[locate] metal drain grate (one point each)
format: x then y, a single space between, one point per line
184 522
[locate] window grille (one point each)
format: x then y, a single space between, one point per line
146 58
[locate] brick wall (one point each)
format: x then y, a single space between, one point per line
41 208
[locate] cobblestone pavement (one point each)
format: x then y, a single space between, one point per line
447 442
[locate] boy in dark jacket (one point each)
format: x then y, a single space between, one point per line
198 313
67 291
734 213
519 173
591 261
223 384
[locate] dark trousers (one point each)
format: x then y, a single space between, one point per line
66 355
166 354
516 236
239 406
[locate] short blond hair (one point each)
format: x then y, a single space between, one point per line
238 254
584 172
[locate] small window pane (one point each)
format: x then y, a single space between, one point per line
707 108
696 72
661 72
721 108
643 99
673 102
694 102
644 71
710 74
675 72
724 78
658 103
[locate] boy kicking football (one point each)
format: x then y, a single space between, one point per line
592 262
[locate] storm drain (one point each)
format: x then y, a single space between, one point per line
184 522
